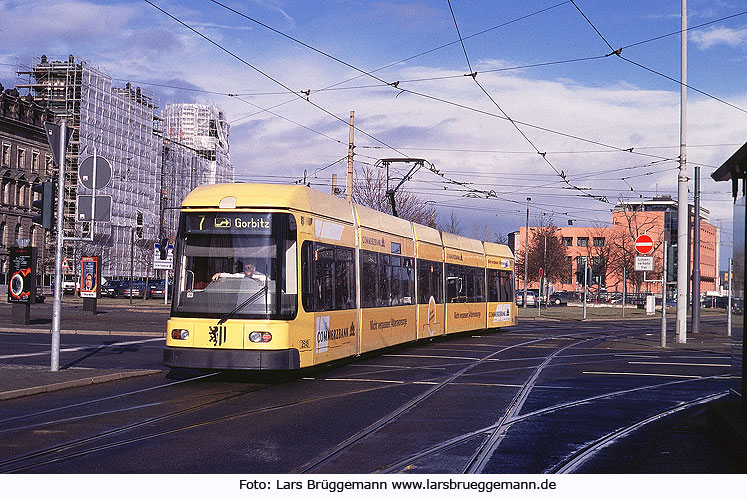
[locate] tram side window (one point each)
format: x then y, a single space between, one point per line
386 280
328 277
430 282
465 283
494 286
455 286
507 286
369 278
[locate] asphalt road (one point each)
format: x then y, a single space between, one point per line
524 400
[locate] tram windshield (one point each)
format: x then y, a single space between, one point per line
237 263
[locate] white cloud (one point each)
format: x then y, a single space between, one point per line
719 35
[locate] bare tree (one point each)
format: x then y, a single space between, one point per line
546 251
370 190
451 224
622 249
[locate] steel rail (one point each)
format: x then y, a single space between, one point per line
573 462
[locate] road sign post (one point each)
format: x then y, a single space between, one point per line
58 137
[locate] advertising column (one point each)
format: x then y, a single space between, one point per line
22 283
90 282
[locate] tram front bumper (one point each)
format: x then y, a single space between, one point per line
231 359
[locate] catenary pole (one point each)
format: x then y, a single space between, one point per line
683 215
696 255
349 187
664 294
57 302
526 257
728 305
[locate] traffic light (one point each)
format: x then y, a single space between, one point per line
163 249
45 203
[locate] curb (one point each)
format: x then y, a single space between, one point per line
29 391
48 331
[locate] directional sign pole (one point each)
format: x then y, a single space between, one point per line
57 304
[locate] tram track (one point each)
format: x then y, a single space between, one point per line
403 464
571 463
315 464
489 437
52 455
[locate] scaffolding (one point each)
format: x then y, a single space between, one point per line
117 124
202 128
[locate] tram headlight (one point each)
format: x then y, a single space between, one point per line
179 334
260 337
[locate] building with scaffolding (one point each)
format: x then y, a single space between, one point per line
203 129
156 161
117 124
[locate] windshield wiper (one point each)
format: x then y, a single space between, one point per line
258 294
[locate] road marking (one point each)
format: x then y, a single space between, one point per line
82 348
427 356
722 365
642 374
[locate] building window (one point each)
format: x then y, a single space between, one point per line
567 241
6 155
569 277
35 161
582 241
48 164
21 159
598 241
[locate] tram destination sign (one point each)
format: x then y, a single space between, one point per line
236 222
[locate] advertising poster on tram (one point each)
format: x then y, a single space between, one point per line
22 274
89 277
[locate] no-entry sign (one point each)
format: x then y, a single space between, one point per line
644 244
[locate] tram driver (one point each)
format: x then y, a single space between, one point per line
250 272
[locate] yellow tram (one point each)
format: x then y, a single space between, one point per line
272 277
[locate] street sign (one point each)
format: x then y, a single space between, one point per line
644 263
167 262
103 208
54 135
65 265
644 244
103 172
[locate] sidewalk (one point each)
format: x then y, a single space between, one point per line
114 317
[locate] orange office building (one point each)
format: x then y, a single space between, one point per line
609 251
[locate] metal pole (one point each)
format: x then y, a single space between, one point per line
728 305
625 283
664 295
683 215
57 303
696 256
526 257
349 189
132 260
586 273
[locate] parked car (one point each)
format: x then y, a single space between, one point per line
136 290
69 285
156 288
560 298
531 298
114 288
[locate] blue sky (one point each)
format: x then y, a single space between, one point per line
581 114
